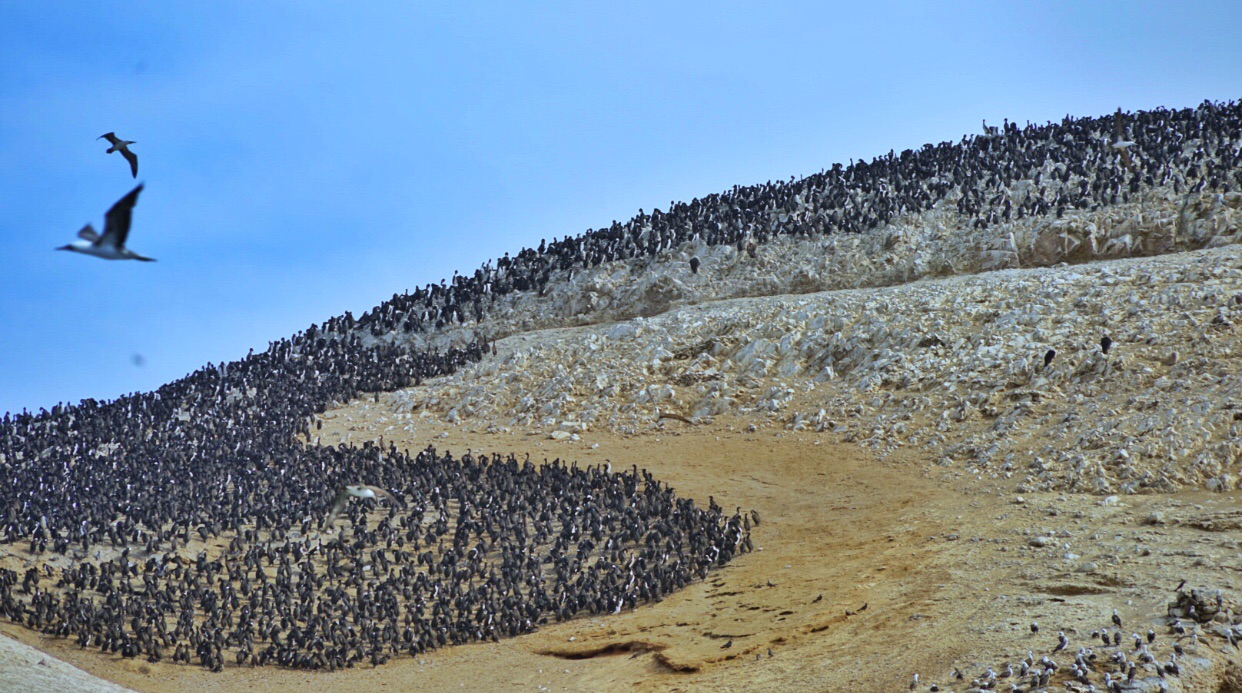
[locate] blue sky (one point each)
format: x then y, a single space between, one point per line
303 159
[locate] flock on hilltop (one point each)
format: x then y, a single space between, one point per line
1089 163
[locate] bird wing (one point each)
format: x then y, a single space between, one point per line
675 417
132 158
116 221
337 506
110 136
387 496
88 233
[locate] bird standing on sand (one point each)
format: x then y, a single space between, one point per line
111 245
360 491
122 146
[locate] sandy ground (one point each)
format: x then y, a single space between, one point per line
866 571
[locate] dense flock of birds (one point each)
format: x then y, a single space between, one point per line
1077 164
195 523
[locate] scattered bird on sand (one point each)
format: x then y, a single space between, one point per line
1116 618
111 245
359 491
727 645
122 146
694 265
1106 343
1034 627
1051 354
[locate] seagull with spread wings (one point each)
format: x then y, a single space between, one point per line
1120 143
122 146
111 245
360 491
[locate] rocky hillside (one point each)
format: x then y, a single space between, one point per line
954 366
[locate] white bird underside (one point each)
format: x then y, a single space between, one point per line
107 252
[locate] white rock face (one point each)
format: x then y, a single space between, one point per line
23 668
931 244
953 366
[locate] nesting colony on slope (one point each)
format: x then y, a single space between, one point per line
954 365
1081 189
190 523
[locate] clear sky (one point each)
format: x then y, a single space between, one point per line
303 159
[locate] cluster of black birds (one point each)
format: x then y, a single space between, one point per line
1079 163
190 523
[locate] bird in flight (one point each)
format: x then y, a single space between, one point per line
122 146
359 491
1120 143
111 245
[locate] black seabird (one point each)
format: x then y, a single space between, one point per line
122 146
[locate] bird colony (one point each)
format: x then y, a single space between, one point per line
1079 190
191 523
202 522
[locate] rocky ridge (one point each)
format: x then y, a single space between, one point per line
931 244
955 365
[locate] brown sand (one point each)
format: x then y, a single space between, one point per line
917 573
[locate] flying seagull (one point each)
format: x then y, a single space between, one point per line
111 245
360 491
122 146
